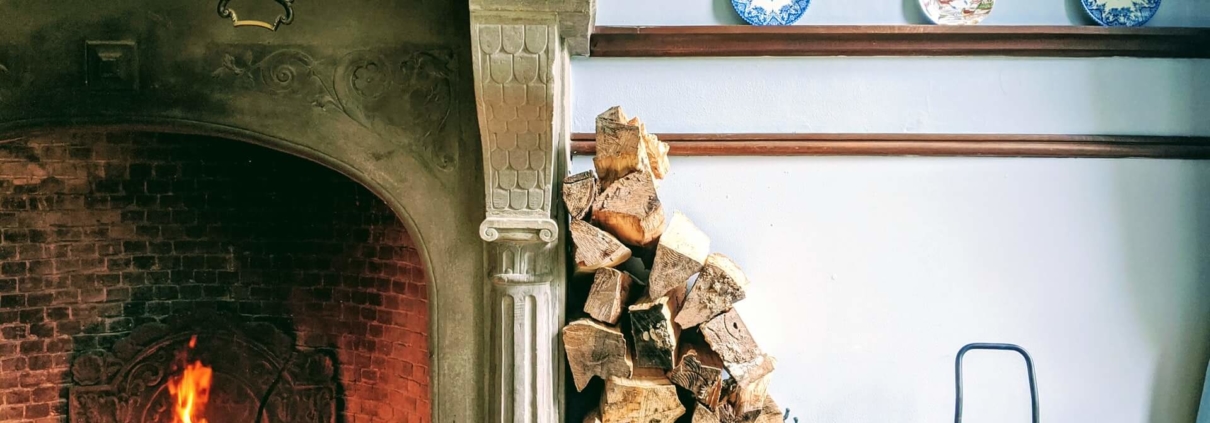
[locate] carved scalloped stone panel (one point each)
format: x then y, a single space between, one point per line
515 81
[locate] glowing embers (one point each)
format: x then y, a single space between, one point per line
191 390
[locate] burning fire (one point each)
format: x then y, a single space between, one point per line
190 391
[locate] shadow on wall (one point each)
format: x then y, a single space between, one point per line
1170 299
1154 243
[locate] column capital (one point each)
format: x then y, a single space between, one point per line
575 18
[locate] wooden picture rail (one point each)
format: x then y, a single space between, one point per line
899 40
1092 146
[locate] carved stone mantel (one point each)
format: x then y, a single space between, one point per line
521 50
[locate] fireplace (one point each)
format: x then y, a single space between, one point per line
256 375
301 286
444 123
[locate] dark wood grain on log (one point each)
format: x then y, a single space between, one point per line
899 40
949 145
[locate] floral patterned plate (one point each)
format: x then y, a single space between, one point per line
957 12
1121 12
770 12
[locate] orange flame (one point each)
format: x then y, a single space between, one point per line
191 391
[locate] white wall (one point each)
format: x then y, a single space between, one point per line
870 273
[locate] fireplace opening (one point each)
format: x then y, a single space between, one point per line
116 247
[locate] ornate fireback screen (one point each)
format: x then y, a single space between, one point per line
252 362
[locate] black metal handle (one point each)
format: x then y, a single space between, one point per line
1029 367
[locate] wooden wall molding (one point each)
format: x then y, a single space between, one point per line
984 145
899 40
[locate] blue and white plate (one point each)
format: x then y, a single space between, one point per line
1121 12
770 12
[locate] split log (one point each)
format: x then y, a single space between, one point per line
630 210
594 349
579 191
653 331
701 414
728 336
749 399
610 290
748 405
657 151
594 248
681 252
640 400
700 372
720 285
621 148
771 412
657 154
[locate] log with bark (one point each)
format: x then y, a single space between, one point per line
702 414
621 148
610 291
640 400
700 371
728 336
749 399
719 285
594 349
771 412
630 209
654 332
681 252
594 248
579 192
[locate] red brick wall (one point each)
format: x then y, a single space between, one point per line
102 232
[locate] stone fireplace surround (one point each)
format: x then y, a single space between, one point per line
381 93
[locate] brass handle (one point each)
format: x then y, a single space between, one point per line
226 12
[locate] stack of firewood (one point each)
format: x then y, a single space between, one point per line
668 350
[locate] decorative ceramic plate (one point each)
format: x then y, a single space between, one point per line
770 12
1121 12
957 12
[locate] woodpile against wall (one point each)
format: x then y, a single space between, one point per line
667 349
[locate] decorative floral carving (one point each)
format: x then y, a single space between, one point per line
92 368
405 96
97 407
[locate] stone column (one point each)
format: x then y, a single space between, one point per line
520 52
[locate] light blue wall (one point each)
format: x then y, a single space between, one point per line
869 273
879 12
872 94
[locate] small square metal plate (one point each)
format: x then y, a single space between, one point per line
111 65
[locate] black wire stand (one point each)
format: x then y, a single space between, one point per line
1029 367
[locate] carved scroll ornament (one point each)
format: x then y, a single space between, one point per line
404 96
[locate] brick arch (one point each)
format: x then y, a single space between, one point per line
103 231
